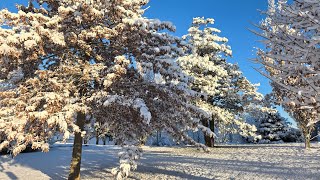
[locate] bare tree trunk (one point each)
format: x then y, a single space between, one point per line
97 140
307 140
302 118
77 149
157 138
209 141
307 131
212 129
104 140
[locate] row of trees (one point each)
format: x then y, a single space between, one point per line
62 61
85 49
64 64
220 88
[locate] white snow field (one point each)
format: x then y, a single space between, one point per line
273 161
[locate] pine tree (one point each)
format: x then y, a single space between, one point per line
223 89
275 129
61 61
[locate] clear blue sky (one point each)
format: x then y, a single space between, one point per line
232 17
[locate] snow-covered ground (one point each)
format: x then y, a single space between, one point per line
276 161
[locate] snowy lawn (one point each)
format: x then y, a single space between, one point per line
280 161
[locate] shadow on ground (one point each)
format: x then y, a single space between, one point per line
254 162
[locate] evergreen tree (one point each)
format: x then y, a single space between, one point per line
274 128
221 86
63 60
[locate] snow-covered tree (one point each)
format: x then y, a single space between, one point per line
139 106
275 129
223 89
61 61
291 58
271 126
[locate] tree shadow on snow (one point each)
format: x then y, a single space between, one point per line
97 162
56 162
152 170
234 167
254 146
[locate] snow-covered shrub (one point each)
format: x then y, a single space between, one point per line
275 129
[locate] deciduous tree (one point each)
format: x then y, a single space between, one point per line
291 58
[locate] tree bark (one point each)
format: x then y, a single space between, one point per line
77 149
212 129
157 138
307 140
104 140
97 140
209 141
307 130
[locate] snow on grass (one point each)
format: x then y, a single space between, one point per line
276 161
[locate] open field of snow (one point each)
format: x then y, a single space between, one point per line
276 161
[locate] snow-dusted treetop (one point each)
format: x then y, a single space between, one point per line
291 58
